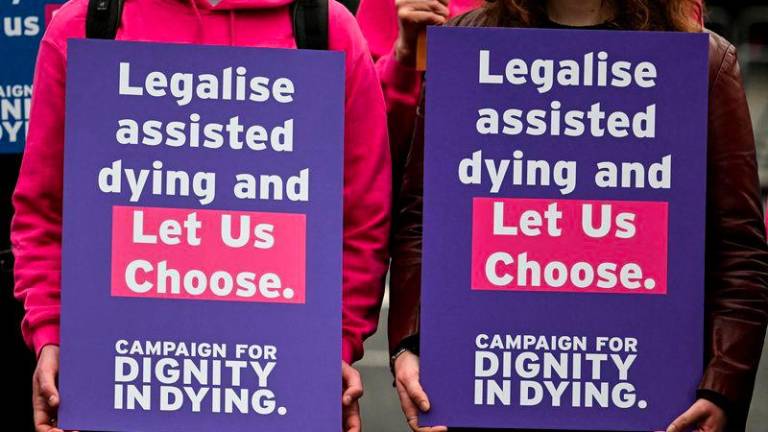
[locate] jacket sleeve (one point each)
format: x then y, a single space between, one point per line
401 85
367 192
736 252
36 225
405 274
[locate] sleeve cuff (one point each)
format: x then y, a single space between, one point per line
730 390
47 334
401 79
350 352
716 398
409 343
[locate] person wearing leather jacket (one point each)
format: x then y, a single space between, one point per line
736 254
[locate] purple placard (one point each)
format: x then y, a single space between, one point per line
563 240
210 298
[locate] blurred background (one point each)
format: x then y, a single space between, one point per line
744 23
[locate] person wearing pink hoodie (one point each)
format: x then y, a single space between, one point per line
392 28
36 227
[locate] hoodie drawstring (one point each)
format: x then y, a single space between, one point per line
199 17
201 27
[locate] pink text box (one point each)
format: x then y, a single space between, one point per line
634 250
206 257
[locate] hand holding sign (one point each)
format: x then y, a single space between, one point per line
352 391
45 395
703 415
412 396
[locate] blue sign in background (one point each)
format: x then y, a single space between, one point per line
22 23
307 379
668 327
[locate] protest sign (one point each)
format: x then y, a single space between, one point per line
564 200
201 279
22 23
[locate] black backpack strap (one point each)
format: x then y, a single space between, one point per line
310 24
103 18
351 5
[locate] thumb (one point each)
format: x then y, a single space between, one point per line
353 385
417 394
47 380
686 420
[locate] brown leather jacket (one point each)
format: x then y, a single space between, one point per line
736 251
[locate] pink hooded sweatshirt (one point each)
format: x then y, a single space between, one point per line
36 227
